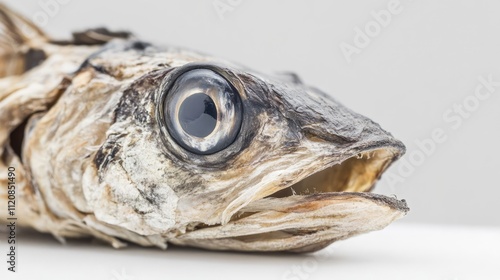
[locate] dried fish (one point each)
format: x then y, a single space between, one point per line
115 138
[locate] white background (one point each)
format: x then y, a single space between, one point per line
413 70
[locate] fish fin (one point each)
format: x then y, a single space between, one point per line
289 77
19 38
16 29
95 36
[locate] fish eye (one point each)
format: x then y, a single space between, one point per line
202 111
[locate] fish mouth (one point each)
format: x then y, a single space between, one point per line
330 203
357 173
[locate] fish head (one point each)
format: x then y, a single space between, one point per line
215 155
156 145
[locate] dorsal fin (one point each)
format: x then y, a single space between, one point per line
19 38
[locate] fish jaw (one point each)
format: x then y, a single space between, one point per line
329 202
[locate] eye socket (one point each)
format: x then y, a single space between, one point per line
202 111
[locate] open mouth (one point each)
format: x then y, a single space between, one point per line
330 204
355 174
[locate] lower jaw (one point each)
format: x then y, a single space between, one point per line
329 205
300 223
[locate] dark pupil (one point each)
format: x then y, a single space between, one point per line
198 115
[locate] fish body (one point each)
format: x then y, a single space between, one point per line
118 139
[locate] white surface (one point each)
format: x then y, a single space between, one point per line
399 252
